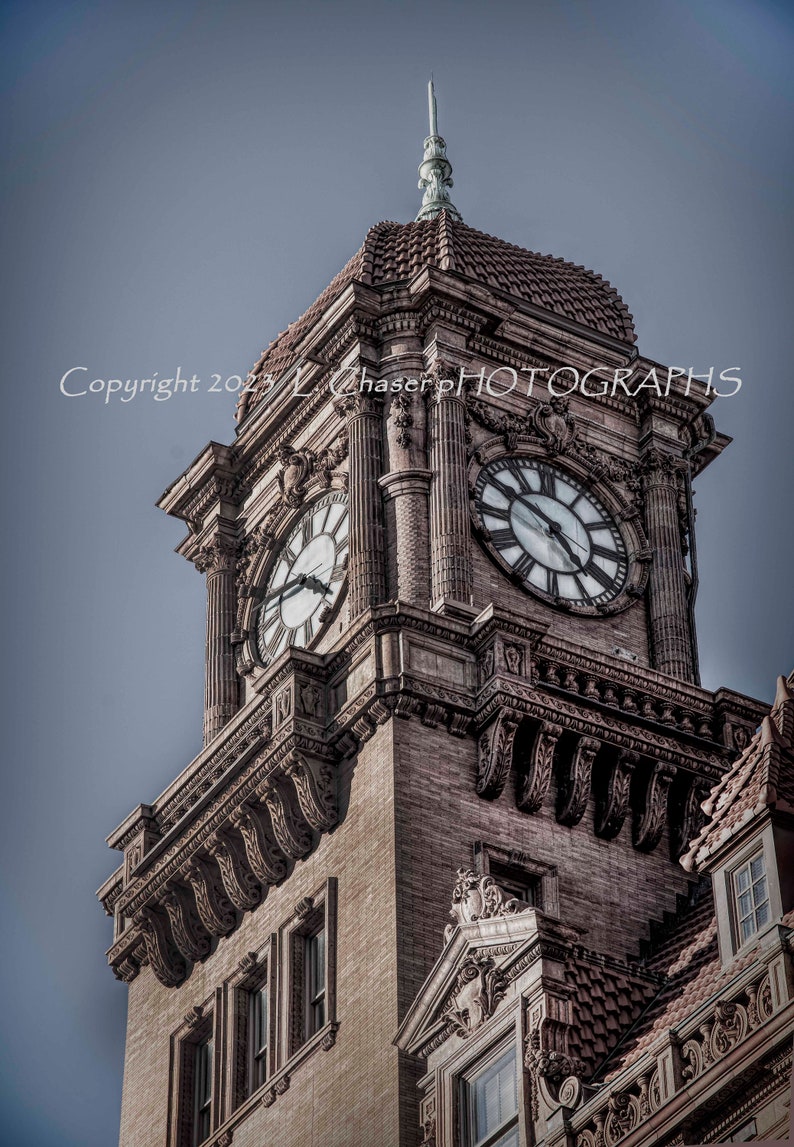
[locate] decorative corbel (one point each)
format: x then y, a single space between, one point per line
189 934
649 825
266 861
495 753
575 788
612 807
214 908
290 830
314 782
163 955
242 886
534 783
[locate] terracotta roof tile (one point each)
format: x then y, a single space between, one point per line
393 252
607 1000
762 777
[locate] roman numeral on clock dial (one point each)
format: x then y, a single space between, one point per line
553 532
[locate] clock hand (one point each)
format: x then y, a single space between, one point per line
557 530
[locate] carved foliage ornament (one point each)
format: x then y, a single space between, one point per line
476 896
478 989
535 781
495 753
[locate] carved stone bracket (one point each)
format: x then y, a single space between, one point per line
289 828
495 753
575 789
534 783
163 955
613 805
214 908
266 861
690 816
242 886
190 936
649 825
315 784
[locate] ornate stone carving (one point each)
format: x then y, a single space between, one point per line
649 825
189 934
690 817
613 805
575 788
296 468
290 830
214 908
240 883
514 659
220 554
329 1039
166 961
555 425
495 753
534 783
476 896
314 782
265 859
403 418
479 987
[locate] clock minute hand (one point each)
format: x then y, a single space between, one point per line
557 532
306 579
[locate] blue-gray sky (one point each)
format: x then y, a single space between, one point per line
180 182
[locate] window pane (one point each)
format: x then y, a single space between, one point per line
742 879
762 915
757 867
494 1098
745 904
747 929
759 890
509 1139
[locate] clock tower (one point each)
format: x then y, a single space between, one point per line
449 646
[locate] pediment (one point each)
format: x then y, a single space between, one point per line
497 948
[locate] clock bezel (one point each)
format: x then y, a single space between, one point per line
266 567
625 518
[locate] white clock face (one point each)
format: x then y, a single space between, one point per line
306 578
551 531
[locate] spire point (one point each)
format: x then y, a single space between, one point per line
435 170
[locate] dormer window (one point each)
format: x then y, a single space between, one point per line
751 897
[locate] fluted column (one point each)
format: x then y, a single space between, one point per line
221 688
671 638
366 565
406 491
450 537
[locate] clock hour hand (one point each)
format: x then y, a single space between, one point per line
558 532
304 579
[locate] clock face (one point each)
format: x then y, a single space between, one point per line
305 579
551 531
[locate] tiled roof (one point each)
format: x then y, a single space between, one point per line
393 252
763 777
606 1003
690 961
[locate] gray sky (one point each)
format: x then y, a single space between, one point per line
181 181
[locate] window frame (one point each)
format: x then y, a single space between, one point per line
202 1105
737 917
200 1027
465 1084
518 867
313 915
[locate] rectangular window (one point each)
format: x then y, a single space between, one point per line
314 988
751 897
202 1092
259 1035
490 1103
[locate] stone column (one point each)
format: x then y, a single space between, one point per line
221 687
406 490
450 535
671 639
366 564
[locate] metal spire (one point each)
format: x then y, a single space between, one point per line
435 170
